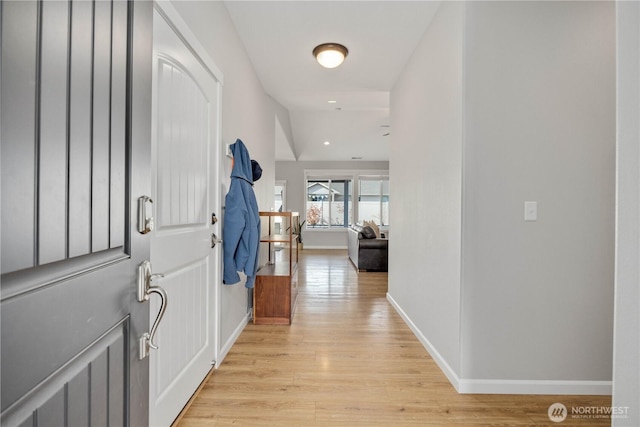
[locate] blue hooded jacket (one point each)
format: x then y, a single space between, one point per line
241 228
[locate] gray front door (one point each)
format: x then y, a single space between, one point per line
75 132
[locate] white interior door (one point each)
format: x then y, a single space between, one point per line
185 181
280 195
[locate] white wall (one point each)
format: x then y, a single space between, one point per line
626 372
284 147
539 126
519 98
247 113
425 184
293 173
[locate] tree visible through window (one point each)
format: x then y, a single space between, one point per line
329 203
337 200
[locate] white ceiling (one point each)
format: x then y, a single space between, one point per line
380 35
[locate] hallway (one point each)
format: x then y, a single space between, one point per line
348 359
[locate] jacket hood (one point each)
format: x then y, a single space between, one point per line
241 162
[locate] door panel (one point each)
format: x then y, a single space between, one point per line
89 388
183 146
76 132
52 129
100 126
19 42
118 129
184 159
80 130
73 106
184 335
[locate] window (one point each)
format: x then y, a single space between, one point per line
329 203
373 200
331 198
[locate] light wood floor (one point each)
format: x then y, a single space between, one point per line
348 359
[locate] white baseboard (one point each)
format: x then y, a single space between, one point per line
323 247
437 357
475 386
601 388
224 350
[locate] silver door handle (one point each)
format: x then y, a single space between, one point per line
215 240
144 293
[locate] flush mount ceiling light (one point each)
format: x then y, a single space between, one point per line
330 55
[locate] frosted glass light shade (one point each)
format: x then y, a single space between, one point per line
330 55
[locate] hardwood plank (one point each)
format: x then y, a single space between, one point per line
348 359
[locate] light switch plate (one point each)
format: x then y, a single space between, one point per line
530 211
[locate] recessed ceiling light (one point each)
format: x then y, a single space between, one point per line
330 55
332 102
327 143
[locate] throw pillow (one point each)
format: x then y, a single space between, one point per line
375 228
368 233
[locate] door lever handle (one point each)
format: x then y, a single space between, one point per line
144 293
215 240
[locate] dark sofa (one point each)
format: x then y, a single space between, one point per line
367 254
